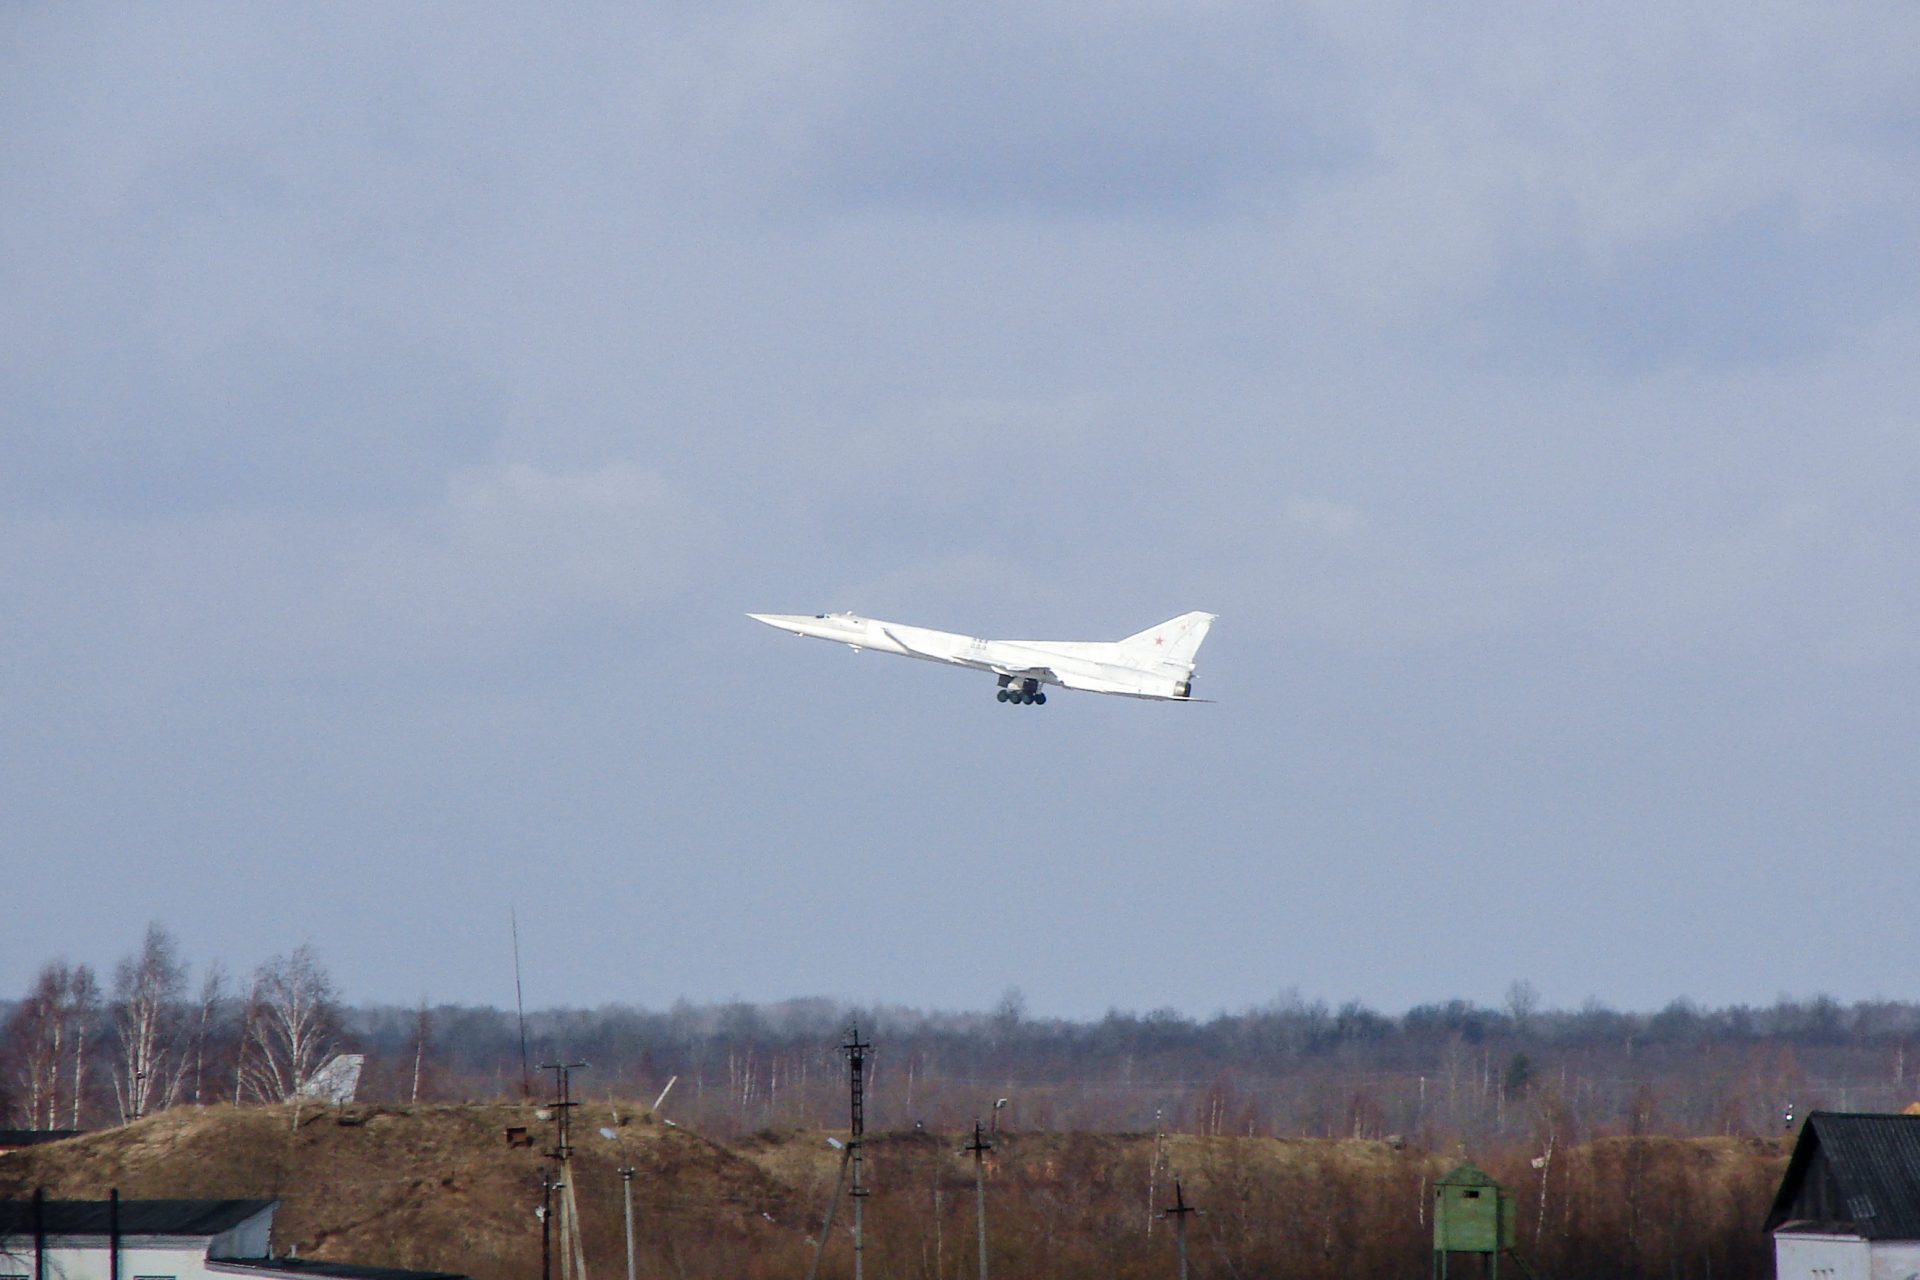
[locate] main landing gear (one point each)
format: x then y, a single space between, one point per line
1027 691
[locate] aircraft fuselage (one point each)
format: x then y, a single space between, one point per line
1156 663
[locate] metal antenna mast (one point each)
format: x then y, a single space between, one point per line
520 1006
856 1051
980 1148
573 1261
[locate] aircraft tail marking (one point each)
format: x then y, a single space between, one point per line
1174 641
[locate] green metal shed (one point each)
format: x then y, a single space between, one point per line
1471 1214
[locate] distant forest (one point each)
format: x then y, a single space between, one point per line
79 1052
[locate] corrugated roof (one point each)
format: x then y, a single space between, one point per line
137 1217
1853 1172
331 1270
34 1137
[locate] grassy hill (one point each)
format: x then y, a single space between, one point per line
440 1187
428 1187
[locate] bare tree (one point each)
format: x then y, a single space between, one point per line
243 1073
422 1031
45 1043
83 998
1523 1001
33 1038
292 1024
147 1016
212 987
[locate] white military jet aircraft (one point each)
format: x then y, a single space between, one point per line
1155 663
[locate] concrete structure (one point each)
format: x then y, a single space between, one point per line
159 1240
1848 1207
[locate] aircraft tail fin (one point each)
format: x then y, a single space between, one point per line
1174 641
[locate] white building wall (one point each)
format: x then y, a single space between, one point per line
251 1239
1896 1260
1820 1257
141 1257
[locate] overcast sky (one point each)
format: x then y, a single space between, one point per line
400 405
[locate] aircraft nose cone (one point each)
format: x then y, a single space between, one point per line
800 624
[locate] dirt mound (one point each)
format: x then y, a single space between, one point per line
442 1188
425 1187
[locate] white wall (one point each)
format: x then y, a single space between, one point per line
1896 1260
251 1239
68 1259
1812 1257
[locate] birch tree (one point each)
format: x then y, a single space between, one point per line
34 1033
146 1018
83 999
292 1024
243 1072
45 1046
422 1031
213 984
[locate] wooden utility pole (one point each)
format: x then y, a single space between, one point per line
546 1226
980 1148
1153 1170
1178 1211
826 1228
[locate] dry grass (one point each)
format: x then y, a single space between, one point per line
427 1187
438 1187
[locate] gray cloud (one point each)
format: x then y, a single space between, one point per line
1087 110
402 407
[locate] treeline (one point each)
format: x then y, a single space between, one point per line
77 1053
1437 1074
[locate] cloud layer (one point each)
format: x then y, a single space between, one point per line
402 407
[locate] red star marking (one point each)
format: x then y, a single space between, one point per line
1158 641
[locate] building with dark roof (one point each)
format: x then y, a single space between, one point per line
1848 1207
219 1220
160 1240
15 1139
278 1268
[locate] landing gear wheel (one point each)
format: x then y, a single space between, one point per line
1040 699
1003 695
